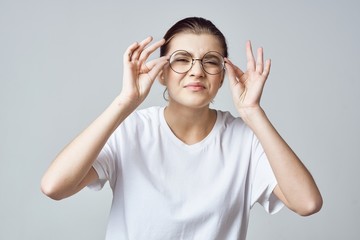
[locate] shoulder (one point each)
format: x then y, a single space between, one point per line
233 126
144 115
227 119
142 119
149 112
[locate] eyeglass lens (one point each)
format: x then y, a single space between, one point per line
181 61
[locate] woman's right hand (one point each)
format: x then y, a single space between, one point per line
138 74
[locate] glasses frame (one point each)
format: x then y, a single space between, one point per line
197 59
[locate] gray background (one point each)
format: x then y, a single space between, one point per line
60 66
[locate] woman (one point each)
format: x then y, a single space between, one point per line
185 171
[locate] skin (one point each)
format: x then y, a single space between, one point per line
190 94
296 187
189 116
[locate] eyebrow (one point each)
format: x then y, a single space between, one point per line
192 54
184 53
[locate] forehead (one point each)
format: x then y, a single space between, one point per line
196 44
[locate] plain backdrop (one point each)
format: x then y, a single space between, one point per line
61 65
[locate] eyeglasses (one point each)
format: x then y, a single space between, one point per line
181 61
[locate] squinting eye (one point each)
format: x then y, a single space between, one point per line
212 61
182 60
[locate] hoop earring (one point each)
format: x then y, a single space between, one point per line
165 95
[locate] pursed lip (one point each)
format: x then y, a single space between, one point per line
195 85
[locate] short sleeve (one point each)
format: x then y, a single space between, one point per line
104 166
264 181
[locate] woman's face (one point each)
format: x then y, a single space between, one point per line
195 88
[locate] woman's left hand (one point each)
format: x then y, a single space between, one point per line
247 87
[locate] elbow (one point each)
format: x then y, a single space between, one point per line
51 190
310 207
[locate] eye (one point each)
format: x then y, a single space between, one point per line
212 61
182 59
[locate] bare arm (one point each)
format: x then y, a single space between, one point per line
296 187
72 168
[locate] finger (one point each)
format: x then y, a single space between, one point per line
156 66
144 68
149 50
231 73
250 57
234 73
129 51
267 68
147 66
260 61
151 64
234 81
238 71
136 53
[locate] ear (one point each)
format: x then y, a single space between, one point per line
161 77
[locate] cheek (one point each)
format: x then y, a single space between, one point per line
218 81
171 77
221 79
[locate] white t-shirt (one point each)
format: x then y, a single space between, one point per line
164 189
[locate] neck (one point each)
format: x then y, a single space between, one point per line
190 125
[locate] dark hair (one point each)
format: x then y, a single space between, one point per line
196 25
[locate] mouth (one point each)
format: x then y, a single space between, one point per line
195 86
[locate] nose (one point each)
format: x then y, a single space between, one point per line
197 69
